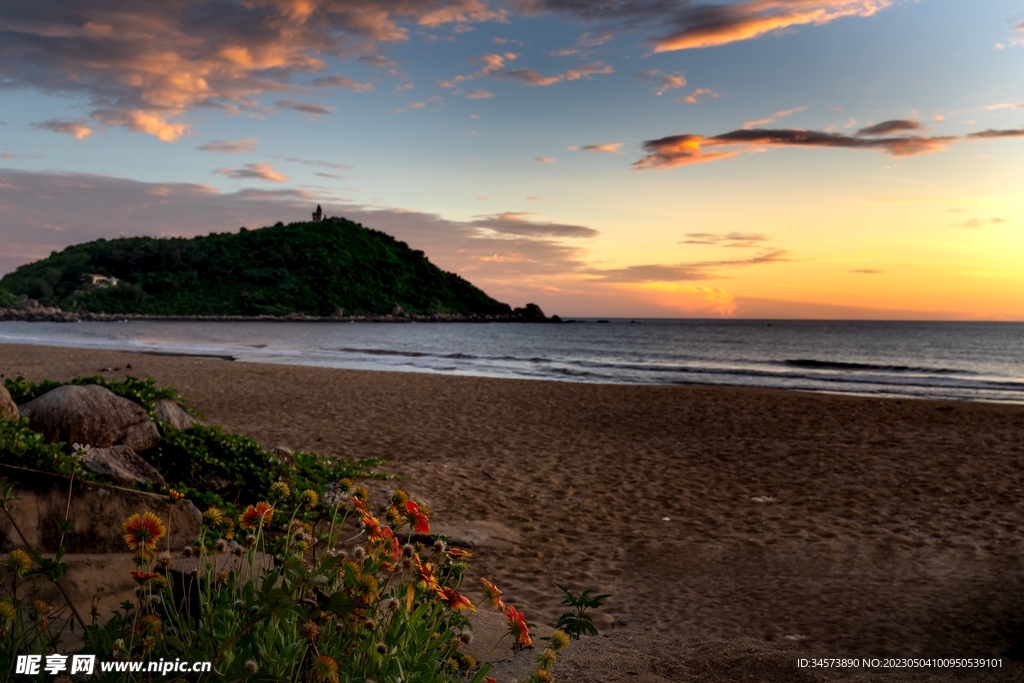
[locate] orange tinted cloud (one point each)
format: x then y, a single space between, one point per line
254 172
747 125
713 25
76 128
142 65
693 97
230 146
681 150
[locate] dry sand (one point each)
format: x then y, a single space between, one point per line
736 529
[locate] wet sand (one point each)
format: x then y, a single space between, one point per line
790 522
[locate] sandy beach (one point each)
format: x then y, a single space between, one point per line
752 526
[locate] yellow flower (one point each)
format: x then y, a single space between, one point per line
280 490
7 611
255 516
559 640
19 562
325 669
213 515
143 532
310 499
546 659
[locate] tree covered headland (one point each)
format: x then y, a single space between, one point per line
312 268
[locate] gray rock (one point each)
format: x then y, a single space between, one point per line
398 311
121 464
173 415
8 409
91 415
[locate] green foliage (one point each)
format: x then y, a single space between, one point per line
6 298
214 467
311 268
578 622
20 446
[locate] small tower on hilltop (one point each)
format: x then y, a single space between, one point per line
318 215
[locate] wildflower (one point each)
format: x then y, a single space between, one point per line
440 546
458 553
394 517
546 659
310 631
359 553
222 577
488 679
454 599
559 641
250 541
361 493
176 496
325 669
222 545
541 676
300 535
390 605
517 627
493 594
144 558
148 642
143 532
255 516
382 649
237 550
280 490
467 662
155 600
166 560
426 571
19 562
417 517
213 515
118 645
186 552
345 485
399 497
250 666
7 611
40 610
143 577
369 583
372 526
151 623
310 499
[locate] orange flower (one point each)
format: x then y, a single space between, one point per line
255 516
458 553
426 571
417 519
360 505
454 599
325 669
143 532
372 526
488 679
143 577
176 496
517 627
493 594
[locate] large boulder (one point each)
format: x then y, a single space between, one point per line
91 415
172 414
121 464
8 408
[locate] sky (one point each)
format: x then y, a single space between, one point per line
637 158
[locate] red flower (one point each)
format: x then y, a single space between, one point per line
417 519
426 571
143 577
176 496
517 626
372 526
359 505
144 531
458 553
454 599
255 516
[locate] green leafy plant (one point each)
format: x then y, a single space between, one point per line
578 622
143 391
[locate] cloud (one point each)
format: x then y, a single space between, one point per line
254 172
341 82
867 271
663 82
305 107
728 239
77 128
545 160
687 25
8 155
381 62
975 223
230 146
680 150
478 94
888 127
607 148
144 65
747 125
680 272
319 163
512 223
695 96
532 77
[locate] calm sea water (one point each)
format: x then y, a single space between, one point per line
951 360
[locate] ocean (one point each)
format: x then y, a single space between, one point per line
969 361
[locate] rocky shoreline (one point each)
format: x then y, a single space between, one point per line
30 310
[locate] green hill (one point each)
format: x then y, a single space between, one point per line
312 268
